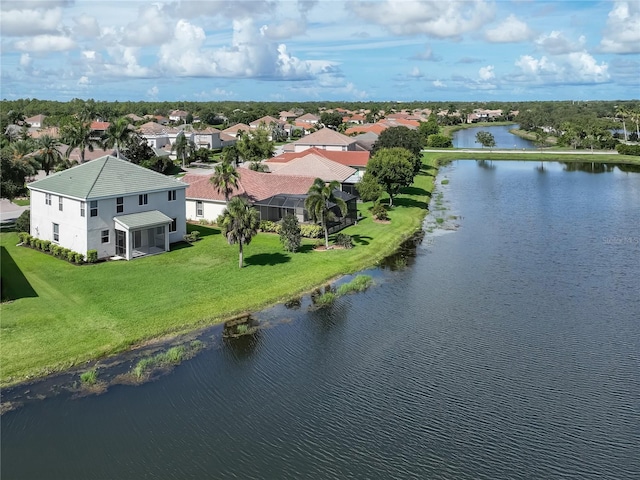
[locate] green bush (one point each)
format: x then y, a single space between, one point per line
290 235
79 258
344 240
269 226
46 245
55 250
625 150
379 212
311 231
24 237
92 256
71 256
439 141
33 241
23 223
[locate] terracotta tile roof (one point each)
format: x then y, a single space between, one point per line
151 128
348 158
35 119
308 118
316 166
323 137
376 128
234 129
254 185
98 126
225 137
267 120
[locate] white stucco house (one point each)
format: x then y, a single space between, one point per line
109 205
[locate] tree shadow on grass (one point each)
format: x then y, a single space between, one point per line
361 239
179 246
204 230
415 191
409 202
14 284
306 248
264 259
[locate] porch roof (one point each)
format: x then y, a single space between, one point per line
148 219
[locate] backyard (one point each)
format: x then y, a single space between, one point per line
60 315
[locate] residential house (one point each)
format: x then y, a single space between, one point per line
178 116
234 130
98 129
155 134
286 116
275 126
309 119
37 121
326 139
109 205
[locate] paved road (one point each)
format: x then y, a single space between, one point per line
9 212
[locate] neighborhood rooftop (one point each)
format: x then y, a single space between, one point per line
105 177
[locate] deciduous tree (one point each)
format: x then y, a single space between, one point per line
393 169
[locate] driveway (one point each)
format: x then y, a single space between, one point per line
9 212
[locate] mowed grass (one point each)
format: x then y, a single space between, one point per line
81 313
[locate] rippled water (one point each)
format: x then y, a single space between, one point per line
508 349
504 140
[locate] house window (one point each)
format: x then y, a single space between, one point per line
173 226
56 232
171 195
60 203
83 207
104 236
119 204
93 208
199 209
142 199
47 199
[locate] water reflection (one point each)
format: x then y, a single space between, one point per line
486 164
243 347
589 167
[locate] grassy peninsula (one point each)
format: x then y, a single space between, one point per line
62 315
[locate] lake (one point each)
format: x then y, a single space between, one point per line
506 347
466 138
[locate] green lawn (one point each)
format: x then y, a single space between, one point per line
22 202
533 156
62 315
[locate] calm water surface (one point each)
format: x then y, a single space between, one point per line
504 140
508 349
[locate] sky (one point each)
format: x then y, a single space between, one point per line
320 50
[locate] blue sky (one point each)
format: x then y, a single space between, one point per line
317 50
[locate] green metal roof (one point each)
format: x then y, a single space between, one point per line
143 219
105 177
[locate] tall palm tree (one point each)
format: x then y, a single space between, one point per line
77 134
239 222
635 117
48 154
118 135
224 179
22 153
183 147
623 113
318 203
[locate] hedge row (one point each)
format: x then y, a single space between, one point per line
628 149
56 250
306 230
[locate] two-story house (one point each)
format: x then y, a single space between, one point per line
110 205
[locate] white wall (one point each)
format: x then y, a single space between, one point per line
72 227
211 209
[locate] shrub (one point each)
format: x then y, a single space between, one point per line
311 231
623 150
39 244
71 256
79 258
33 242
379 212
439 141
55 250
46 245
269 226
290 235
23 223
192 237
89 377
344 240
92 256
24 237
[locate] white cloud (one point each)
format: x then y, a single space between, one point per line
622 33
416 73
45 43
433 17
511 30
86 26
25 60
23 22
575 67
438 84
486 73
557 44
286 28
150 28
84 81
427 55
250 55
153 91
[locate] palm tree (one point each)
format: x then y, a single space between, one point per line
319 204
77 134
623 113
48 154
183 147
224 179
635 117
21 153
118 135
239 222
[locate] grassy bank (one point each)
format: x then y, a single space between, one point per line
449 129
533 156
61 315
